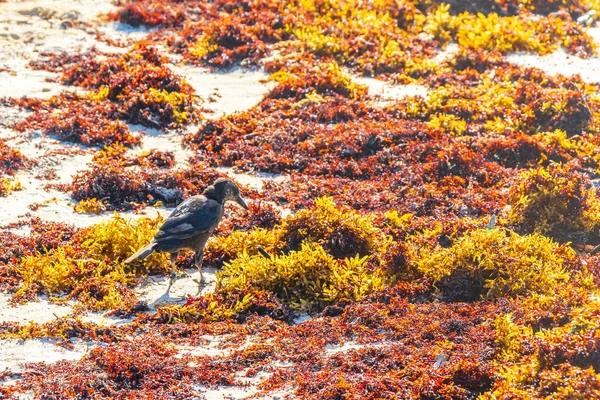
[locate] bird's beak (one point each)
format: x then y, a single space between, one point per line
241 202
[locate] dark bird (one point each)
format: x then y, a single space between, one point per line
190 225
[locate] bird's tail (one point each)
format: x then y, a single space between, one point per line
143 253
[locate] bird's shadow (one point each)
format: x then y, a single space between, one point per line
167 298
185 286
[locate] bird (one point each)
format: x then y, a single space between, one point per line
191 224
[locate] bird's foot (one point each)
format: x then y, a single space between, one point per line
184 274
201 285
174 275
167 298
172 279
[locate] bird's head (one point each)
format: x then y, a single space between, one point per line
226 190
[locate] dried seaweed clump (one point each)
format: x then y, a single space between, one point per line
90 267
91 206
44 236
61 272
496 263
341 231
555 201
392 33
157 158
567 110
259 215
118 187
79 120
225 248
116 239
316 134
233 39
141 368
124 183
263 226
136 87
302 278
306 84
11 160
140 13
553 363
9 185
61 328
229 33
512 7
505 34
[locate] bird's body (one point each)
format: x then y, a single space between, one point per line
191 224
188 227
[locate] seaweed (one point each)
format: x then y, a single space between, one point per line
342 232
74 119
495 263
391 33
62 329
556 201
11 160
226 248
441 243
89 265
123 182
138 13
123 369
567 110
303 277
135 87
559 362
44 236
92 206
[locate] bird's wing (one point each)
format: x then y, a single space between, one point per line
195 215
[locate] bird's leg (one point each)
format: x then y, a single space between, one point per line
198 261
173 275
